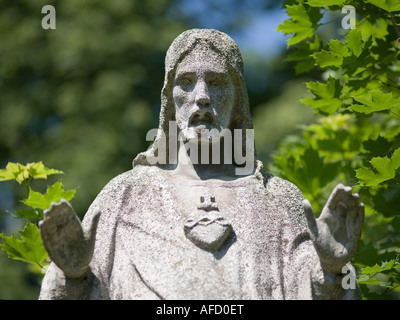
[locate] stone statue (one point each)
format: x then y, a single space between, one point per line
176 227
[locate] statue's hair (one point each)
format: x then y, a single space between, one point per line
185 43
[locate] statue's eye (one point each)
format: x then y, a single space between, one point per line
217 80
185 81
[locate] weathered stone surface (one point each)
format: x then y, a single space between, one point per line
196 230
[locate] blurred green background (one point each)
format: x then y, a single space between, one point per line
82 97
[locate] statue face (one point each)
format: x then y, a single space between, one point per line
203 93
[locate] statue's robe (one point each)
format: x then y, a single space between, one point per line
141 251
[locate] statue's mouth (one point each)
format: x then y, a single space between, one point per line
201 118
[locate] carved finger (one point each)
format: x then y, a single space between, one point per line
360 221
341 210
312 222
351 202
354 207
340 193
355 227
90 232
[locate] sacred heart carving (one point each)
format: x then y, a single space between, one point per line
208 233
207 228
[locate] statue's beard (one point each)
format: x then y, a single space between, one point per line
200 126
197 132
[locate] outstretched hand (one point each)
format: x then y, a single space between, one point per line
68 245
337 231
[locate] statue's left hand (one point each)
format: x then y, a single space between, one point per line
337 231
69 246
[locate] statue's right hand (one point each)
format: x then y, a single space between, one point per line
68 245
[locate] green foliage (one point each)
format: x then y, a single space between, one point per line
54 193
374 100
385 169
21 173
324 3
388 274
388 5
356 139
30 247
326 95
302 23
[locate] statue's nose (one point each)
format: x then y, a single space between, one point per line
202 97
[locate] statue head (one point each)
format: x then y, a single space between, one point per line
203 92
204 88
210 49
